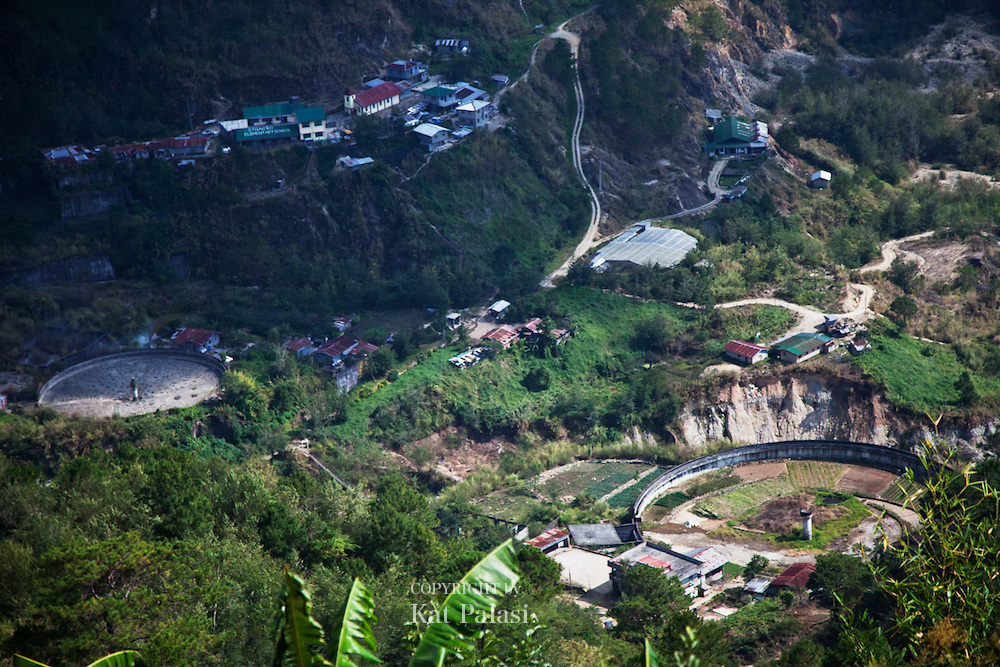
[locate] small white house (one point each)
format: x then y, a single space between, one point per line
820 179
432 136
499 308
474 113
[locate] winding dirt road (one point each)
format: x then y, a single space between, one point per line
595 205
890 250
859 295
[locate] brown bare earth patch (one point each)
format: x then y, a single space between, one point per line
781 515
942 259
753 472
867 481
456 457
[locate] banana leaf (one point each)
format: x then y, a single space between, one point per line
478 593
650 655
354 631
298 638
119 659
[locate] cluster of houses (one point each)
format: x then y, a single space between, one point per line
695 569
287 122
507 334
799 347
65 157
344 355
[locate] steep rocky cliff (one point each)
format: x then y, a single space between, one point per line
806 407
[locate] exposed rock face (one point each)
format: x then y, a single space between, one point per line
808 407
80 270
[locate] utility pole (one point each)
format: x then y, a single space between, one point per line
600 180
187 103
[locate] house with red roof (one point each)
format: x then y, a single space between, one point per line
367 102
795 577
690 571
503 334
745 353
193 339
300 346
177 147
550 540
405 70
334 350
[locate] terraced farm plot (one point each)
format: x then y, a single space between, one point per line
734 503
593 478
626 497
866 481
570 480
505 505
609 484
815 474
672 500
897 492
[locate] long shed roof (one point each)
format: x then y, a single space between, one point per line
649 246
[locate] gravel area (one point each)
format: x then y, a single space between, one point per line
101 388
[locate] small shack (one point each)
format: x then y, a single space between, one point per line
550 540
498 309
745 353
820 179
795 577
432 136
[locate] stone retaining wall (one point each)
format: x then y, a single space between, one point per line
854 453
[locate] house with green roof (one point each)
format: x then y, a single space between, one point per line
282 113
737 137
802 346
440 96
281 123
312 123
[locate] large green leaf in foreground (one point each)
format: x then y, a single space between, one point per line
354 631
119 659
478 593
298 638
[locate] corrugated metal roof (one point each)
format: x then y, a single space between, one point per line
802 343
271 110
548 538
192 335
795 576
310 114
604 534
376 95
649 246
474 105
743 348
429 129
438 91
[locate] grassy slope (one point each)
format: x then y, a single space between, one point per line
920 376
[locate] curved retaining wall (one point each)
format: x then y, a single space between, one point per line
854 453
203 359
